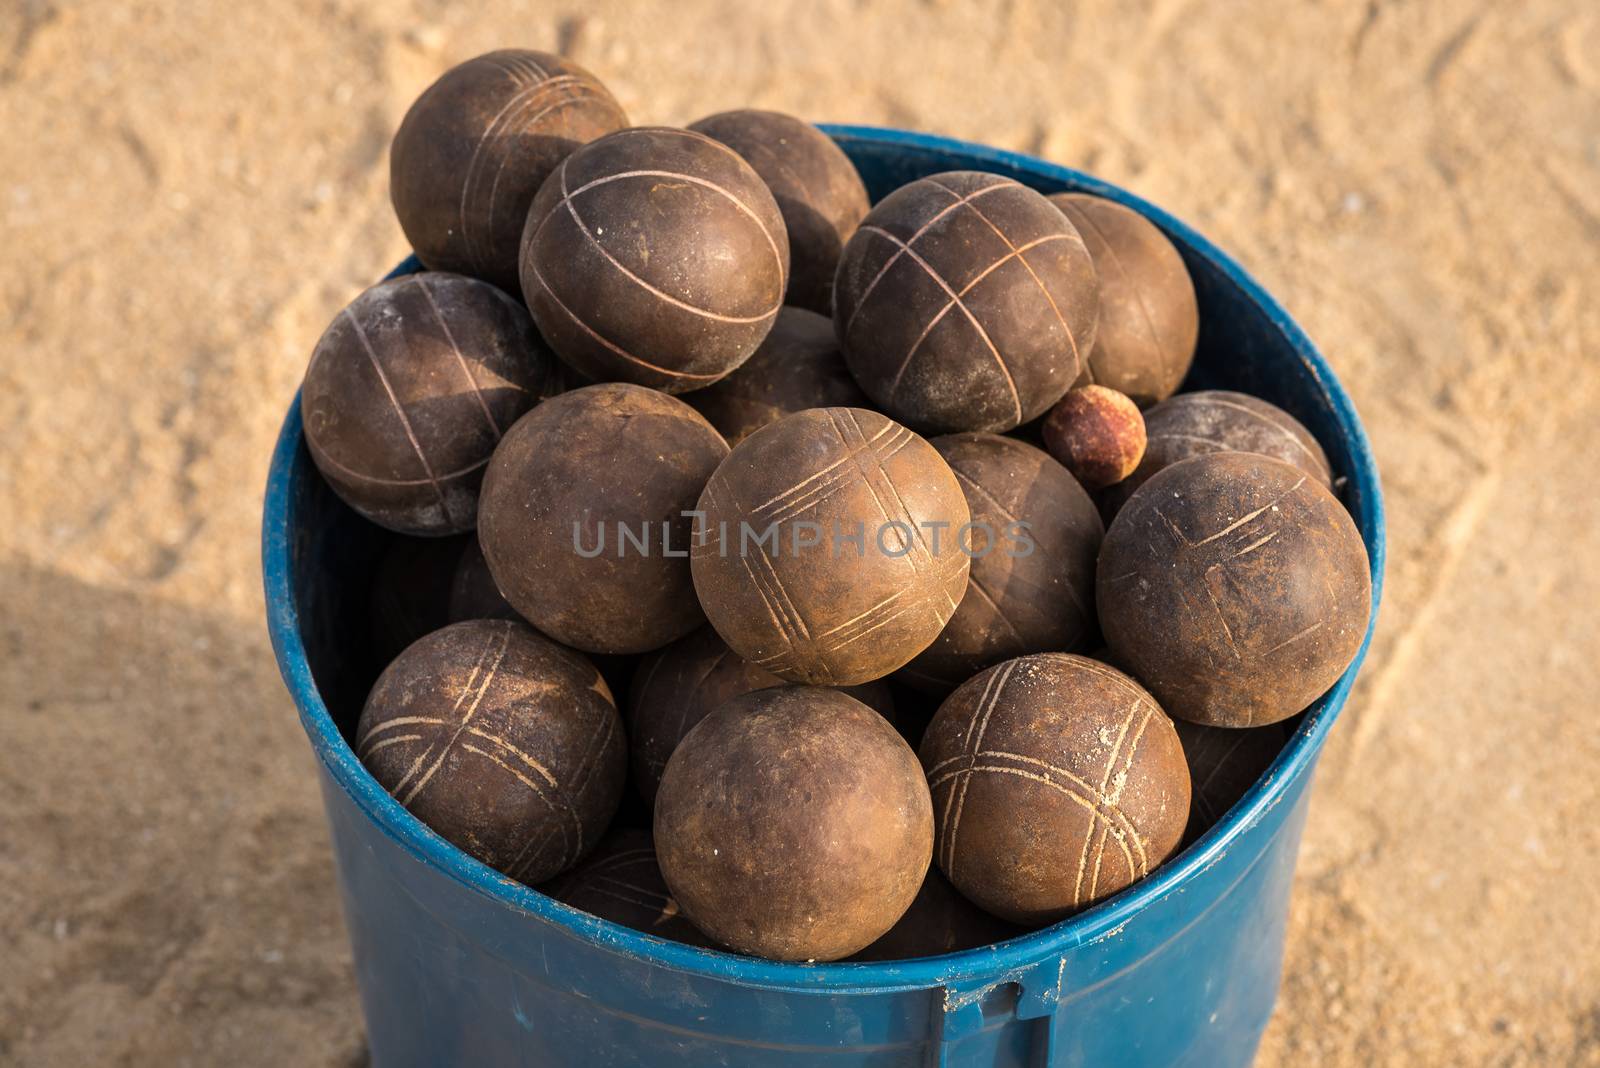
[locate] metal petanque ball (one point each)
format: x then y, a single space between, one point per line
815 556
655 256
965 301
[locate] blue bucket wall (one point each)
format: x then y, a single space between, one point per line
457 964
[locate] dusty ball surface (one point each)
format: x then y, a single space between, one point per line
583 520
1216 420
1236 587
1224 762
794 824
1034 540
816 187
476 146
655 256
965 301
621 882
847 585
408 392
677 687
505 743
1149 317
1057 781
1097 434
797 366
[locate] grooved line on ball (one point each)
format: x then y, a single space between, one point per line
964 780
477 391
1253 546
594 183
1227 631
618 890
1016 398
1134 287
387 742
1103 812
1100 849
470 178
411 435
769 575
620 860
661 294
462 696
1237 523
375 480
1262 417
1018 252
1105 780
905 246
611 345
1014 254
1238 739
580 780
1291 640
1099 670
398 721
1005 513
785 494
483 688
580 94
514 751
876 478
521 69
539 791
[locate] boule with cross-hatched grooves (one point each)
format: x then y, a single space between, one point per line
965 301
476 146
1057 781
826 548
409 391
1236 587
656 256
505 743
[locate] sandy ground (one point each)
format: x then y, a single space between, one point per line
190 191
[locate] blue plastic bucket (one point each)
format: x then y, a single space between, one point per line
457 964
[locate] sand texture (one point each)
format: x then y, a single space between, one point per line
190 191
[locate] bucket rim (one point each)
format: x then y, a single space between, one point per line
1004 959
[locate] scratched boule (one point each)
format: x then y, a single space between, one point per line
573 479
1057 781
1219 420
654 255
854 579
475 147
1234 586
965 301
505 743
408 392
